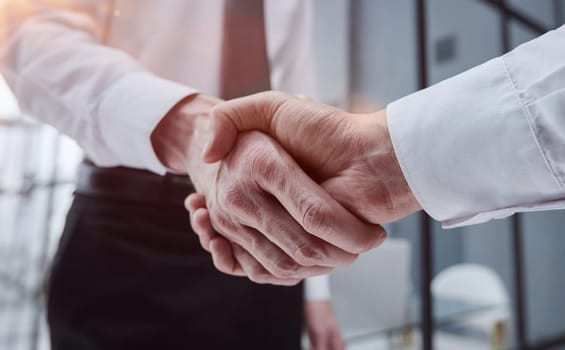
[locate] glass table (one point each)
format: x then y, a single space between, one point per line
450 315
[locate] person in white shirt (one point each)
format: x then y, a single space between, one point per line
131 82
482 145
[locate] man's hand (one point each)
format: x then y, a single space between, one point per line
260 199
351 155
322 327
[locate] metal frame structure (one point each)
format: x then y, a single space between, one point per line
426 229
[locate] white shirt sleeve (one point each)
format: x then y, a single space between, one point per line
317 288
54 61
491 141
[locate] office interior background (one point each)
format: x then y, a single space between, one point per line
492 286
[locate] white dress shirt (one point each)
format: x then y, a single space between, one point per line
491 141
106 72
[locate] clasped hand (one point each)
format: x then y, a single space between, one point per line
278 217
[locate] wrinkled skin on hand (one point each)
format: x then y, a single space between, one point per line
351 155
282 226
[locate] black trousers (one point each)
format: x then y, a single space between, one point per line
131 275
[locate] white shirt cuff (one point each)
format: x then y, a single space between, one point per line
129 112
466 148
317 288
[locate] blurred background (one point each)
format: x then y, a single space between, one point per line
493 286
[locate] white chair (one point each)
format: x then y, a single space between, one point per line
470 282
477 284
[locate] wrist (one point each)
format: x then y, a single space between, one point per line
384 164
178 138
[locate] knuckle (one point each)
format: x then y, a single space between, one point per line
263 161
285 268
306 255
315 215
222 223
233 197
263 164
250 242
236 198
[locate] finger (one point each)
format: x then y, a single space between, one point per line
223 257
283 231
195 201
272 258
337 342
256 272
320 343
254 112
315 210
202 226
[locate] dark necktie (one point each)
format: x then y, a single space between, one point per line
245 66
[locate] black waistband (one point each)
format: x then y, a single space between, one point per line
132 184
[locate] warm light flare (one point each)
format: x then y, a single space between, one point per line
15 13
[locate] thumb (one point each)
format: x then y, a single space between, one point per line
254 112
223 134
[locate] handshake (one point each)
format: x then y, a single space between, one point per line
289 188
